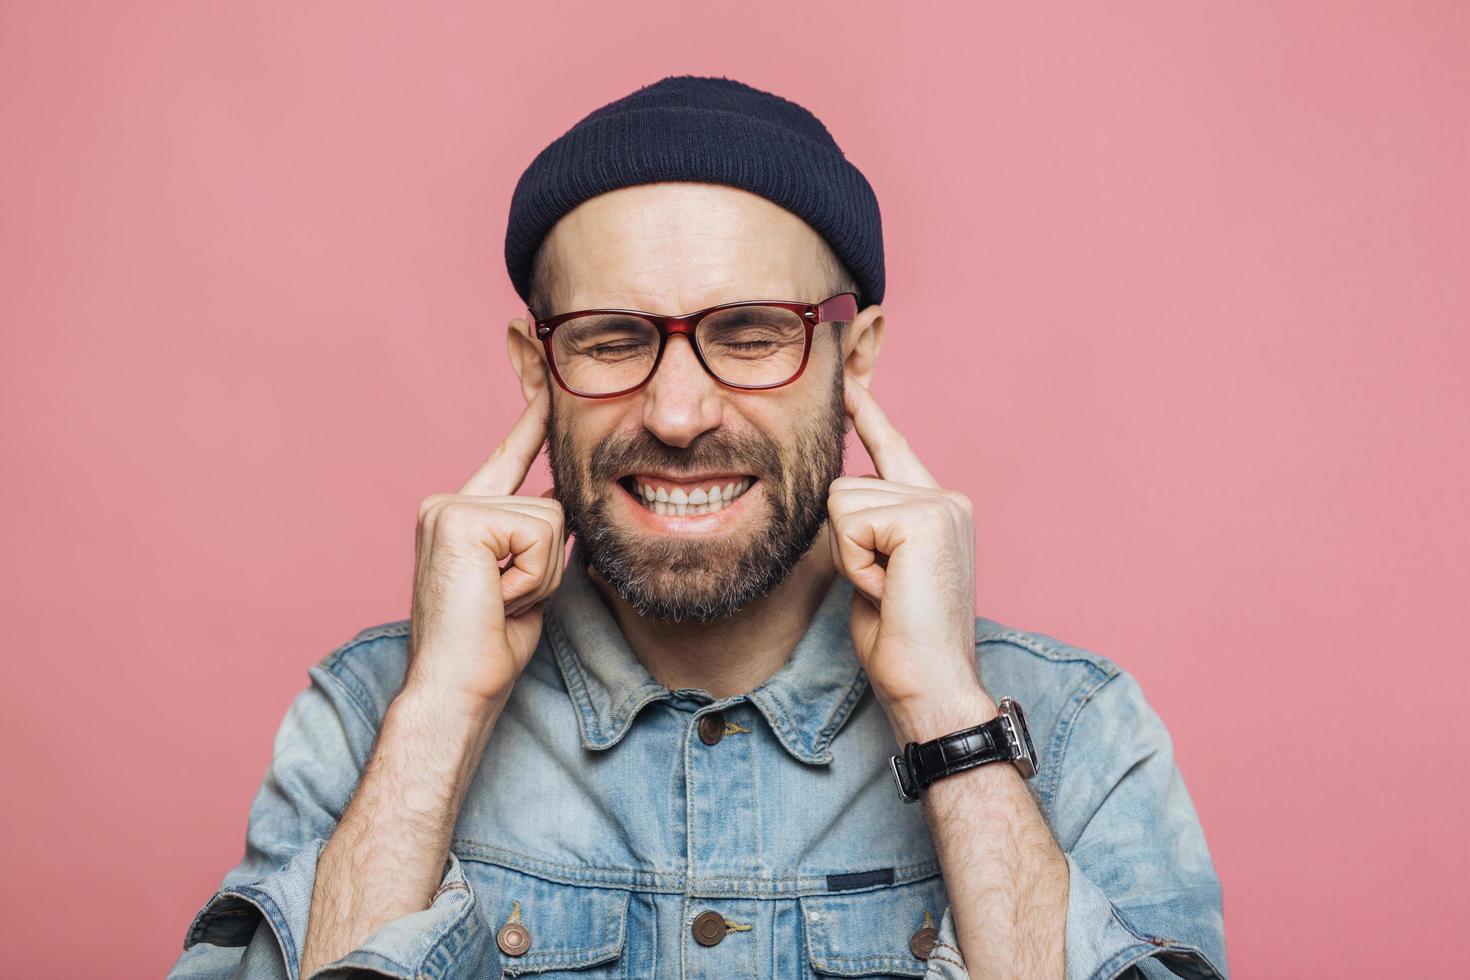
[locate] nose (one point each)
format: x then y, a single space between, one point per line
681 400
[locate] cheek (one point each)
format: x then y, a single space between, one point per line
585 428
776 416
587 422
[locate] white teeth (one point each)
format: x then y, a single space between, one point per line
684 504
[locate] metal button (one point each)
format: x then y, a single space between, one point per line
513 939
709 928
711 728
921 943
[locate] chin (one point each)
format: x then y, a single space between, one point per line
700 579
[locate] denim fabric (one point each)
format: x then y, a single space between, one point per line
601 821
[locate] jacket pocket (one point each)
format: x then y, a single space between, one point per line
869 933
564 930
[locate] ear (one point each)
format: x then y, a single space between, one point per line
527 358
861 342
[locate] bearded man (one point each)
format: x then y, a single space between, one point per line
749 725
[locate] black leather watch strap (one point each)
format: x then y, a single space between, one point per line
1002 739
956 752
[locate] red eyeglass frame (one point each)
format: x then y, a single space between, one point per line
841 307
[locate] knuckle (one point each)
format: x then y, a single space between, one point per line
460 517
936 509
429 502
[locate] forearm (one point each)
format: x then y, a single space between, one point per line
387 855
1004 873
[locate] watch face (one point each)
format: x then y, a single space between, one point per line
1025 752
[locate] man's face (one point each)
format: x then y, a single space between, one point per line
769 455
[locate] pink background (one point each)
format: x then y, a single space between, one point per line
1197 275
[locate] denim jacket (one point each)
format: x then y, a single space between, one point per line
606 817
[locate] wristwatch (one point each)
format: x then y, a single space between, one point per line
1002 739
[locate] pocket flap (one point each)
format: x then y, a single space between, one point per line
569 927
867 933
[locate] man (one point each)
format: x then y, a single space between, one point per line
750 726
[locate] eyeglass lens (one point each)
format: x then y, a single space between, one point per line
745 345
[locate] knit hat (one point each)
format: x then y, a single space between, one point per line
690 127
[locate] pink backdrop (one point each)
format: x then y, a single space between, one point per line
1198 276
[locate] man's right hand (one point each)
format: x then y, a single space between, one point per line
485 562
475 625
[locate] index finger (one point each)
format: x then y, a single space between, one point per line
885 444
502 474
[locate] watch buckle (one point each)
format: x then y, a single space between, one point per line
894 763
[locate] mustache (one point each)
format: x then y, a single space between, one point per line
712 450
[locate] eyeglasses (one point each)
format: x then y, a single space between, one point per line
750 346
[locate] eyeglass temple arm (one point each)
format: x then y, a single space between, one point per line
841 307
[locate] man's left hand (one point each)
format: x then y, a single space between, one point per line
908 547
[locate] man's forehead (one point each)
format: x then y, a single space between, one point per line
674 247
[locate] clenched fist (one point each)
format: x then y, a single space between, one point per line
485 562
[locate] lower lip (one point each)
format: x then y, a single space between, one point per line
698 524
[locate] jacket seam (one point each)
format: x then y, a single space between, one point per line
1144 950
1114 965
470 850
574 679
447 928
1048 648
336 661
1082 695
828 732
337 664
347 688
1155 945
266 906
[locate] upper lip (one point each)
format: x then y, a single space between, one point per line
687 477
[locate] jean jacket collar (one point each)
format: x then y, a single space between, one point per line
805 702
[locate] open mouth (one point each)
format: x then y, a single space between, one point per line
687 498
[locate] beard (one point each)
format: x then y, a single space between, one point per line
701 579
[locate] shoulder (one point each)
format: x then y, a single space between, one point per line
1050 677
1077 701
369 668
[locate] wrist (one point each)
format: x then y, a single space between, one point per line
938 713
445 732
429 748
448 707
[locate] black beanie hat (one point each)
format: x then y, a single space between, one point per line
691 127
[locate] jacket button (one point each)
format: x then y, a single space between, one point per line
711 728
922 942
513 939
709 928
